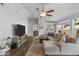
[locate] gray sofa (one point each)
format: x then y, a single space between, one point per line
50 48
61 45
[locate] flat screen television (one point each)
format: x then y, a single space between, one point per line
20 30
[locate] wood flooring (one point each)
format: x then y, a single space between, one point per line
32 47
36 48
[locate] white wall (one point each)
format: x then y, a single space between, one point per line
31 22
10 14
41 24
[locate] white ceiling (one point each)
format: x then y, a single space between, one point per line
61 10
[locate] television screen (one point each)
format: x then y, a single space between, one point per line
20 30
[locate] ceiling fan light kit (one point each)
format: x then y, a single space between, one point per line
43 12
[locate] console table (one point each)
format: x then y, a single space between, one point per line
20 51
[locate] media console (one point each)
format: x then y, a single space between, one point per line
21 40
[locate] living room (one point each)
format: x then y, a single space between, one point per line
34 29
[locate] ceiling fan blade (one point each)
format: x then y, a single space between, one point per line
49 11
48 15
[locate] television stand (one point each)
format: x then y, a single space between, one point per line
21 40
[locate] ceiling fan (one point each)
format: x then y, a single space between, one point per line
43 12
